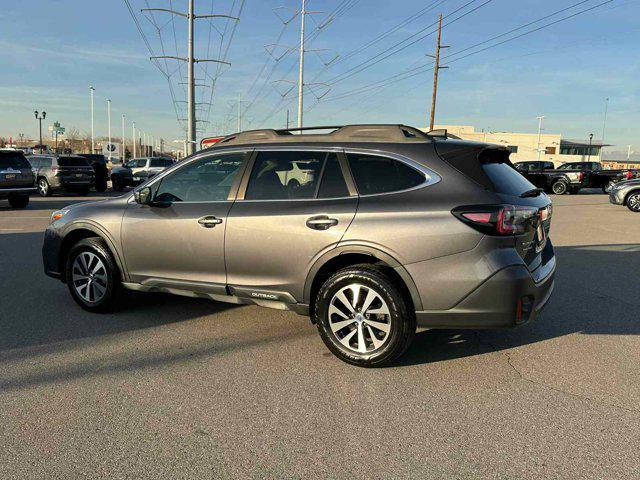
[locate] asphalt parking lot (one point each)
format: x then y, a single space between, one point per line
182 388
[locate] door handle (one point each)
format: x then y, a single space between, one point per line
321 222
209 221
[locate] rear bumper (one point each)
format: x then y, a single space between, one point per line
494 304
6 192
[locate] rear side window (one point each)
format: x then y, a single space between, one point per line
73 162
158 162
332 184
45 163
374 174
14 160
285 175
506 179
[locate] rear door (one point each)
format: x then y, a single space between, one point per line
293 206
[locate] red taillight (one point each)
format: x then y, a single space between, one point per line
629 175
581 176
498 219
54 170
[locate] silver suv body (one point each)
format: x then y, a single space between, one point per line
383 229
70 173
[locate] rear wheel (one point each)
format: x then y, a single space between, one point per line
559 187
608 186
44 189
633 202
574 190
19 201
93 277
101 186
363 317
117 184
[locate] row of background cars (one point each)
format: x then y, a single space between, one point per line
623 186
21 176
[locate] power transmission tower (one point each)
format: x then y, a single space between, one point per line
303 13
191 61
436 69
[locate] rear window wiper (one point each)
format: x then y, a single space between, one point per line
532 193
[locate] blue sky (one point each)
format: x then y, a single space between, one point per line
51 51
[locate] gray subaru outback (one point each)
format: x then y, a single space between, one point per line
371 230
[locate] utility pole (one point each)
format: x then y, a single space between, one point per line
191 88
303 13
91 90
539 133
287 119
109 122
124 149
191 61
133 139
436 70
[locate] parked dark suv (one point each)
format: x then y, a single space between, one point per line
385 228
16 178
70 173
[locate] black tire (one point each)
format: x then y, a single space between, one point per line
83 192
18 201
44 189
633 202
559 187
101 186
117 184
113 294
574 190
401 319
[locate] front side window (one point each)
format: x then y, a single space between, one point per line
206 180
374 174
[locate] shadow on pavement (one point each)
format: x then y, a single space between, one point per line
595 294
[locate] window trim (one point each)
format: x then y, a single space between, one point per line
431 176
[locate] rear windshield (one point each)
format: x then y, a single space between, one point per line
73 162
94 157
15 160
506 179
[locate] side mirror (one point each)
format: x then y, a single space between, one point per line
143 196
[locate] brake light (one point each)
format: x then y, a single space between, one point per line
581 176
629 175
54 170
498 219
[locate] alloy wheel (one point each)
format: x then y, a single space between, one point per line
89 277
634 202
43 187
359 318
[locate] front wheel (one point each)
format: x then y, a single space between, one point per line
559 187
19 201
633 202
101 186
363 317
93 277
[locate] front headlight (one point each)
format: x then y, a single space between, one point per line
58 214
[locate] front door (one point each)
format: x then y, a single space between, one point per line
294 207
181 237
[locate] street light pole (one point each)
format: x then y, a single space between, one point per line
539 133
40 118
109 121
133 139
589 151
191 93
122 154
91 90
